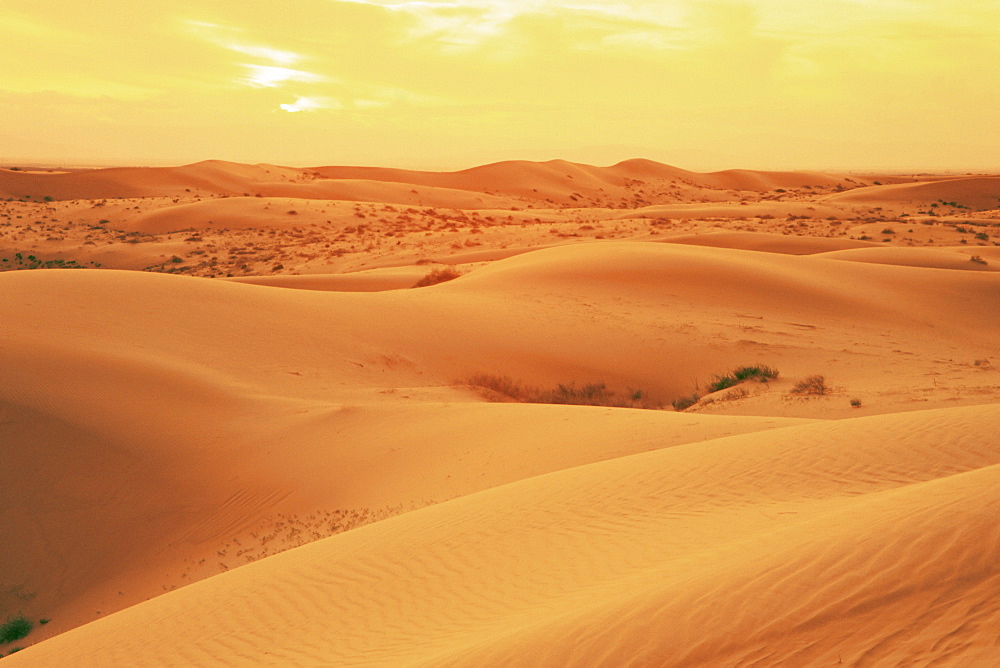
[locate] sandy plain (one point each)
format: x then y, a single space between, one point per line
233 432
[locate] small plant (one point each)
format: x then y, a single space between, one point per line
503 388
497 388
888 230
978 259
721 382
14 628
856 403
682 403
811 386
735 394
43 621
438 276
759 372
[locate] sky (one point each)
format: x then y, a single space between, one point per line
448 84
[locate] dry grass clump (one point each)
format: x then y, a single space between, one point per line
688 401
503 388
811 386
438 276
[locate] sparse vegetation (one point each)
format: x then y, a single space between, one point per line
14 628
759 372
856 403
438 276
734 394
978 259
811 386
688 401
503 388
19 261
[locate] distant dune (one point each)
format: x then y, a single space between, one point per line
556 181
975 192
269 448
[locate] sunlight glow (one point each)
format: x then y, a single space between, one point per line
700 83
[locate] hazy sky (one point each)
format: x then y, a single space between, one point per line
703 84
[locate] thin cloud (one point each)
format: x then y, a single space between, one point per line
270 76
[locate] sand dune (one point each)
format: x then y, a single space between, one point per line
557 182
771 243
290 464
767 210
867 527
935 258
373 280
981 192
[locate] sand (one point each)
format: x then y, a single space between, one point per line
238 434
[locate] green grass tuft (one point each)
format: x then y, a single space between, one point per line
14 628
759 372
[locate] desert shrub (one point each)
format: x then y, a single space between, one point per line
811 386
759 372
856 403
978 259
735 393
721 382
438 276
14 628
490 386
592 394
681 403
503 388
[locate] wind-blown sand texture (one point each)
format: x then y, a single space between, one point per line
290 464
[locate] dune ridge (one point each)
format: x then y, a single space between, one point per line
557 180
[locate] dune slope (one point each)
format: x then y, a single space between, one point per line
872 541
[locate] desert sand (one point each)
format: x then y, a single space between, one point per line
234 432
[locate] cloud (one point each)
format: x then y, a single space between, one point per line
270 76
275 56
310 104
